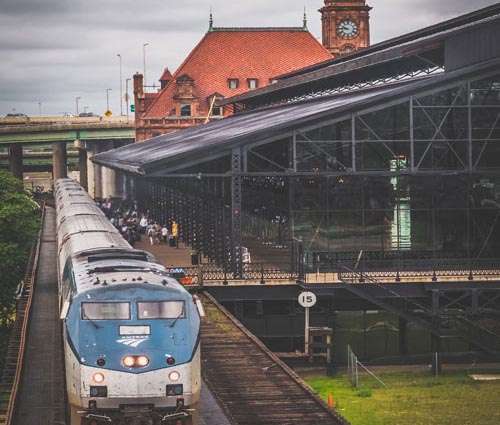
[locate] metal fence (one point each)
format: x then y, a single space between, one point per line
261 272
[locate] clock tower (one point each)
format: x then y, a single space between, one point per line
346 26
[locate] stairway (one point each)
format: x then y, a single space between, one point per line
457 324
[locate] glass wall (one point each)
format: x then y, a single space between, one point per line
412 185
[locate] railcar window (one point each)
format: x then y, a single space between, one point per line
105 311
161 310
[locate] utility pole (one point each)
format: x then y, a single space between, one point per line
144 60
107 99
126 94
77 99
121 85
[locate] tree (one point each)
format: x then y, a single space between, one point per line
19 223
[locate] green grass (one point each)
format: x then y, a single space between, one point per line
414 399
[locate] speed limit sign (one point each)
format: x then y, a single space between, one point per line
307 299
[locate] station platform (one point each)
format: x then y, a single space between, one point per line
41 395
166 255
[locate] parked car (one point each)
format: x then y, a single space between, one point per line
12 115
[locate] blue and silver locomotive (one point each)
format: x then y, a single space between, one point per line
131 332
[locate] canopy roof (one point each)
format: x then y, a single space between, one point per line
198 144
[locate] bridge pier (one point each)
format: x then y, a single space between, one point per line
109 186
97 178
83 168
16 160
59 164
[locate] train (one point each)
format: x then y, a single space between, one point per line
131 332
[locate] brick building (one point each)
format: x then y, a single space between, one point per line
230 61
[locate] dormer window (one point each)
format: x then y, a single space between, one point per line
186 110
253 83
217 111
233 83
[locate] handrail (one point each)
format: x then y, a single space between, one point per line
20 356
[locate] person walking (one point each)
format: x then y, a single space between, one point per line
151 234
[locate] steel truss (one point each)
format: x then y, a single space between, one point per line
445 133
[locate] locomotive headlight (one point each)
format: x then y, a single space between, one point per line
141 361
174 376
98 378
129 361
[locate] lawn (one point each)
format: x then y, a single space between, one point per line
414 398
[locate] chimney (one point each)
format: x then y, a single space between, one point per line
138 85
139 102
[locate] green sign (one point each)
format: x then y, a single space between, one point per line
132 108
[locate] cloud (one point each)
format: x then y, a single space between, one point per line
55 50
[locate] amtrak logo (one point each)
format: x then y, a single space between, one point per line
132 341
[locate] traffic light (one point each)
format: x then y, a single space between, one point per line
132 108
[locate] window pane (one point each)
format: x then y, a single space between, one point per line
161 310
186 111
105 311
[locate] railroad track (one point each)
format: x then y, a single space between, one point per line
11 375
251 384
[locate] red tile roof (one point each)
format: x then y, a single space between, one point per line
241 53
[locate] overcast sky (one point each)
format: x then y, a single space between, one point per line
54 50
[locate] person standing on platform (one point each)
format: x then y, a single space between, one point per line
164 234
175 233
143 224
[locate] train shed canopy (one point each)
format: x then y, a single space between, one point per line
196 145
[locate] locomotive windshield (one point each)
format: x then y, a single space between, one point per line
105 311
161 310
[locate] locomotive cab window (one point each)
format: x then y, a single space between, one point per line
106 311
161 310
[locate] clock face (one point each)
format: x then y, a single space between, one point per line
347 29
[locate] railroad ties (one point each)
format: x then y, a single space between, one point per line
251 384
15 350
33 380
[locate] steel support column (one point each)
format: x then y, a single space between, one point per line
403 337
236 198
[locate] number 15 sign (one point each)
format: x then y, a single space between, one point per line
307 300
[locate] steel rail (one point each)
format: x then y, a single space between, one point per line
29 283
293 378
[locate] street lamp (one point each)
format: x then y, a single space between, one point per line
126 94
121 85
40 107
76 101
107 99
144 60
